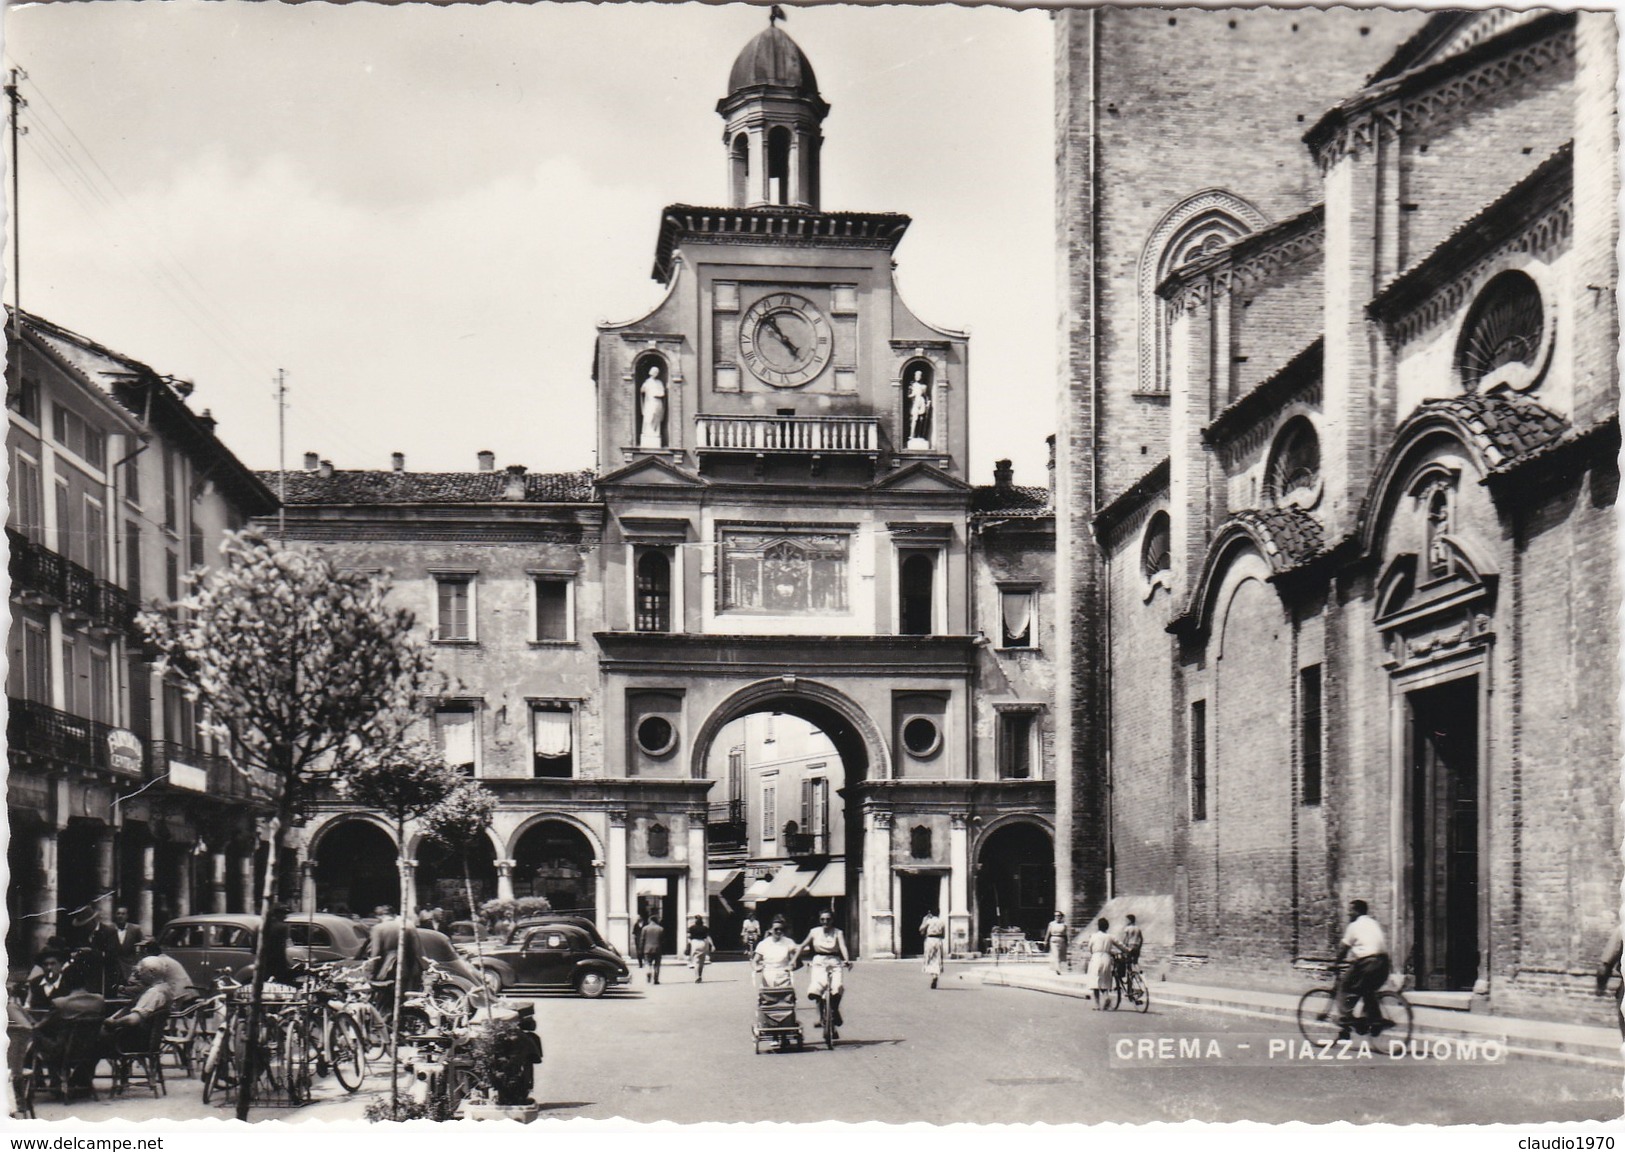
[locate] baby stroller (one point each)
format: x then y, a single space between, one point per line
776 1022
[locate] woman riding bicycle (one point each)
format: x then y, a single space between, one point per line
830 957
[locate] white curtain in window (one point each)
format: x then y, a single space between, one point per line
552 733
1018 614
456 737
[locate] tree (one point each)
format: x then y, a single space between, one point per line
404 782
456 824
303 672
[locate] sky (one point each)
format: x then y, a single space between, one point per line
422 213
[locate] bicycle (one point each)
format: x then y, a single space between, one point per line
826 1008
327 1029
1320 1015
1129 983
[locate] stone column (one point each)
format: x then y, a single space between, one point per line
217 882
245 880
307 885
45 905
616 882
409 887
600 890
144 910
505 879
959 929
699 891
106 898
882 938
183 885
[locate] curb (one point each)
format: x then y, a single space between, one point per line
1522 1037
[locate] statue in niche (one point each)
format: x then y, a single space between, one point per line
652 398
919 411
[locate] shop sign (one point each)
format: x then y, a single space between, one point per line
124 752
186 776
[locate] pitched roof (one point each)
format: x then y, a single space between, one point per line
381 487
1011 501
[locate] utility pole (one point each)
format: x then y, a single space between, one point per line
281 456
17 105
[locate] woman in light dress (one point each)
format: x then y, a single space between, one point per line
1101 949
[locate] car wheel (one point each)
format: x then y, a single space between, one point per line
591 984
492 978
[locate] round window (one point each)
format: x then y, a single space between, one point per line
1156 554
1293 475
921 737
656 735
1505 339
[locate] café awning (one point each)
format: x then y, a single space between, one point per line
830 881
789 882
756 890
716 879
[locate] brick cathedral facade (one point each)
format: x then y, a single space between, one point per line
1336 489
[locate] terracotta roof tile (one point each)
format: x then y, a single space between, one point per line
1011 501
1290 535
344 487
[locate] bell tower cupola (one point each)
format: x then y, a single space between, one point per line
773 113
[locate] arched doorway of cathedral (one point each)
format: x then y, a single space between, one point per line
553 859
357 868
442 882
1015 879
783 835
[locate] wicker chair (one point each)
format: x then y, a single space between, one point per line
138 1053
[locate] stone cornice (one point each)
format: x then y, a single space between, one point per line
1414 99
761 655
1299 375
1534 215
1152 484
1249 262
777 226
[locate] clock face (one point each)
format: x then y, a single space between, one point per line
785 340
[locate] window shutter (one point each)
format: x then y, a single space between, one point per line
807 806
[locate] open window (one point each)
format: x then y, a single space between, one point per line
457 729
553 740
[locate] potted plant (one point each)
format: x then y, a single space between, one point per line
505 1053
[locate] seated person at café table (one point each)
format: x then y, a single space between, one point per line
166 968
74 1007
47 986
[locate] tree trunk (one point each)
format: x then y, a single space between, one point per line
400 980
256 1000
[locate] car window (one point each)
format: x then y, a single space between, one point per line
231 936
309 936
181 936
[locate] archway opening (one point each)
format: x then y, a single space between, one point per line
553 860
782 839
442 882
356 869
1015 880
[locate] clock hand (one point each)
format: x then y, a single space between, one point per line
772 325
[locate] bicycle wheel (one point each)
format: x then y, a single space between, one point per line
346 1052
826 1021
373 1027
1114 995
296 1060
1318 1016
1139 995
220 1063
1397 1009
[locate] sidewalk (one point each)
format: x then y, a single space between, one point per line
1576 1043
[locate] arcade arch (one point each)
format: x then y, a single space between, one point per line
356 867
1015 878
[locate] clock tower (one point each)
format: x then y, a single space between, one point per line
782 445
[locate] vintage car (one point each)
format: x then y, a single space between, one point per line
551 954
206 943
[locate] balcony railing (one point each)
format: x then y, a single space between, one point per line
61 737
725 825
224 780
797 843
797 434
38 571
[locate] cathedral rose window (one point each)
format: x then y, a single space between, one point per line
1505 338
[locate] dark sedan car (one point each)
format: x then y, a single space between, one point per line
551 955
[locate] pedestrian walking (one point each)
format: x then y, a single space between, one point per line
935 932
649 945
698 947
1055 940
1101 950
637 939
749 932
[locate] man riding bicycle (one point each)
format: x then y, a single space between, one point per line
830 958
1367 948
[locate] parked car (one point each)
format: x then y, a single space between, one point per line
585 923
557 954
206 943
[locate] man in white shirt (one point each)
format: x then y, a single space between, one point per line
1367 950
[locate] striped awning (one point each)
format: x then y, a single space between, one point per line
719 878
830 881
789 882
